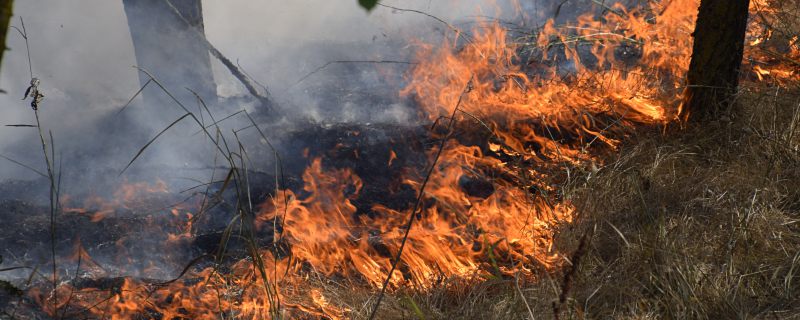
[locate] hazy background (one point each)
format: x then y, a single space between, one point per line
82 52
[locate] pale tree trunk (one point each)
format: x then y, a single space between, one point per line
167 47
716 59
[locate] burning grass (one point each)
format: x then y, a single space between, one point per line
697 225
572 166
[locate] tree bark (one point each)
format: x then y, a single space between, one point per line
713 74
170 48
262 95
6 11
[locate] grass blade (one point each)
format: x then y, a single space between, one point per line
153 140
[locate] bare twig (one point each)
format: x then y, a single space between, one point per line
608 8
522 296
458 31
134 96
263 97
54 194
141 150
53 208
23 165
349 61
569 276
24 33
418 202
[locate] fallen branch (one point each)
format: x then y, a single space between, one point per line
263 97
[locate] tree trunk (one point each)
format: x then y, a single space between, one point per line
167 47
6 11
718 48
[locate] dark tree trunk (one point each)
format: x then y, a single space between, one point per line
718 48
167 47
6 10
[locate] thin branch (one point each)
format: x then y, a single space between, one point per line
264 97
24 33
24 165
153 140
134 96
327 64
449 25
418 202
218 121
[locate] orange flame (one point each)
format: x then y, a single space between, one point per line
558 98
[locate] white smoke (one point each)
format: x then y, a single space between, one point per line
82 52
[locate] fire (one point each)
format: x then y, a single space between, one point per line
529 104
508 228
560 98
325 231
773 56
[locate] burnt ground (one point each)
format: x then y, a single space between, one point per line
134 236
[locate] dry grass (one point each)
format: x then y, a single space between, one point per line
706 222
700 223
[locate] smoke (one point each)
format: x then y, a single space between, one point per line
85 68
83 65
